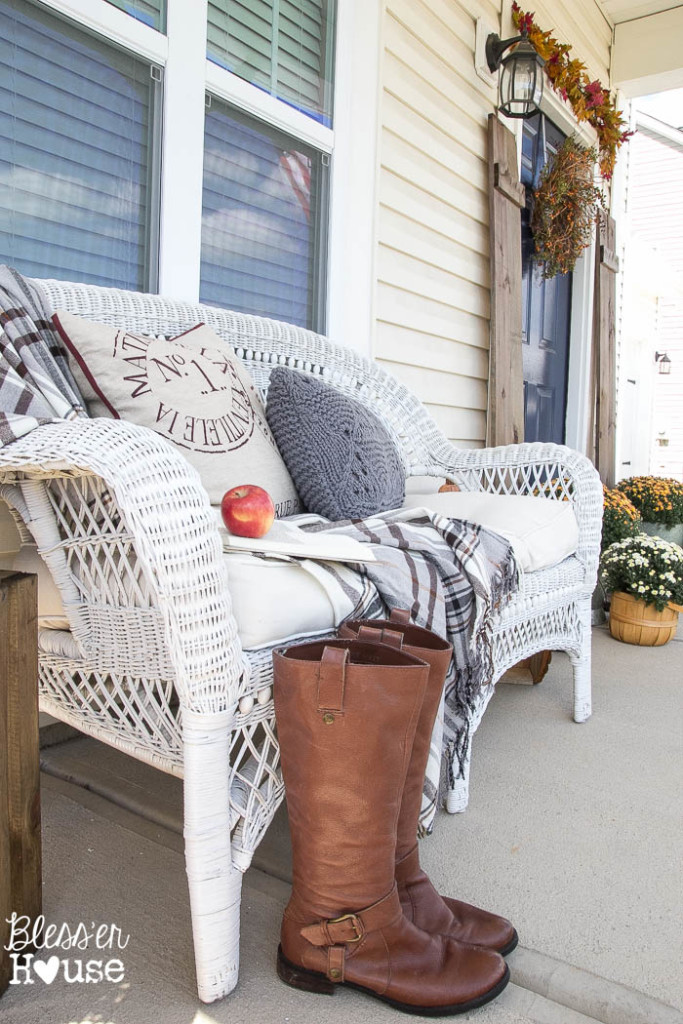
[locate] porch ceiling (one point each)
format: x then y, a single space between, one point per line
627 10
647 55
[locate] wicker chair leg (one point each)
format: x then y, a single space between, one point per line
581 664
458 797
215 885
582 667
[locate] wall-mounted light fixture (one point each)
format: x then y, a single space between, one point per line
521 75
664 362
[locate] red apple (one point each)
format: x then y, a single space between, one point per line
247 510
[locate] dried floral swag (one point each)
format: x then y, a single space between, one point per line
590 101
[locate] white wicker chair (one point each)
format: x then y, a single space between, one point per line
152 663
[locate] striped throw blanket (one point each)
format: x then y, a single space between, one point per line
451 575
36 385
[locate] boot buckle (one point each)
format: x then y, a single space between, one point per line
356 924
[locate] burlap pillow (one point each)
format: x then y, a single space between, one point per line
193 391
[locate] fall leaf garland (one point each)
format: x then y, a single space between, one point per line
589 100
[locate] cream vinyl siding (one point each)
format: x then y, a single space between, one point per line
432 265
432 303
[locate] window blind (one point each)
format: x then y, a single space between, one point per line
152 12
74 153
283 46
261 220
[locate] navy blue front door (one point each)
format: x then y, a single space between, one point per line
546 306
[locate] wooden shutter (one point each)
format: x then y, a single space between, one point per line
505 423
604 348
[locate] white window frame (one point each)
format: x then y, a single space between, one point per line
351 144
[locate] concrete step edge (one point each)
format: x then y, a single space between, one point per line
111 790
600 999
533 1007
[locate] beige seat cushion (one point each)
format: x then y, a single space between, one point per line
542 532
275 601
272 600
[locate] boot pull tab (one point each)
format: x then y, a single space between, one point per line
400 615
331 682
373 635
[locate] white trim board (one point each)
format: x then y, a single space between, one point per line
353 204
114 26
259 104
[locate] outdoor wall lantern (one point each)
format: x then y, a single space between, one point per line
521 75
664 362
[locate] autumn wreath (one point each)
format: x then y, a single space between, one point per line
564 208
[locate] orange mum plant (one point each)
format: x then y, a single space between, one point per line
621 519
659 499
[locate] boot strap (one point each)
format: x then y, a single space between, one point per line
332 679
350 928
336 955
371 635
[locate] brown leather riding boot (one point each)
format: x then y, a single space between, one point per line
346 716
421 903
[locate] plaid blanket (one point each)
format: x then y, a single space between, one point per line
451 575
36 385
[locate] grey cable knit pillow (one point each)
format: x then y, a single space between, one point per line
342 459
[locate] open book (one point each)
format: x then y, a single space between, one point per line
285 538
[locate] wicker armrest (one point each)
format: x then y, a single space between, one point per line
552 470
166 513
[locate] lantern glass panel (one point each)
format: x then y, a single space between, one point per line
521 85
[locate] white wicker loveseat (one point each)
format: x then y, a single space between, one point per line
152 663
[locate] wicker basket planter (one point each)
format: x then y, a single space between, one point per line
634 622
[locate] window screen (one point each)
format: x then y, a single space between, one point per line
283 46
75 154
152 12
264 208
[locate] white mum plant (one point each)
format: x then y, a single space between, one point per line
649 568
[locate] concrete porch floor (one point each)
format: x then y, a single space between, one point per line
573 831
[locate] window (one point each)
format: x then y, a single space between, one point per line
226 201
76 154
151 12
282 46
262 220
